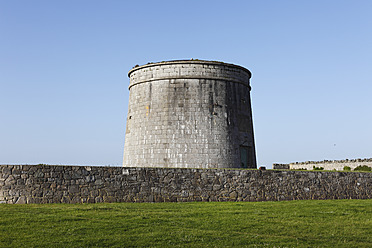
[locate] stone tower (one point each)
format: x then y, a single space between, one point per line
189 114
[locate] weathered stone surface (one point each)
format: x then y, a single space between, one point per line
74 184
189 114
21 200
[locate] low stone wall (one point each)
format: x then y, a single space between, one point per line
78 184
332 164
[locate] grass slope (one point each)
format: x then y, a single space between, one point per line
331 223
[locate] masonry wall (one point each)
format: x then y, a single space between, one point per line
75 184
332 164
189 114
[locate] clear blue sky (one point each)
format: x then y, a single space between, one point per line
64 86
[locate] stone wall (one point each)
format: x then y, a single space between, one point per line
281 166
189 114
78 184
332 164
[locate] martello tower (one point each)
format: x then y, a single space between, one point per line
189 114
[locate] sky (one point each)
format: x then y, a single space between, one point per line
64 64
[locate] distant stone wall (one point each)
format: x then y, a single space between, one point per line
332 164
78 184
281 166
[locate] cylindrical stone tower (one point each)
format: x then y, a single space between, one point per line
189 114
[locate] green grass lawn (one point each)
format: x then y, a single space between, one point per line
331 223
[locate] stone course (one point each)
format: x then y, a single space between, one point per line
90 184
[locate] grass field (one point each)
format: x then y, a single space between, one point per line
331 223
